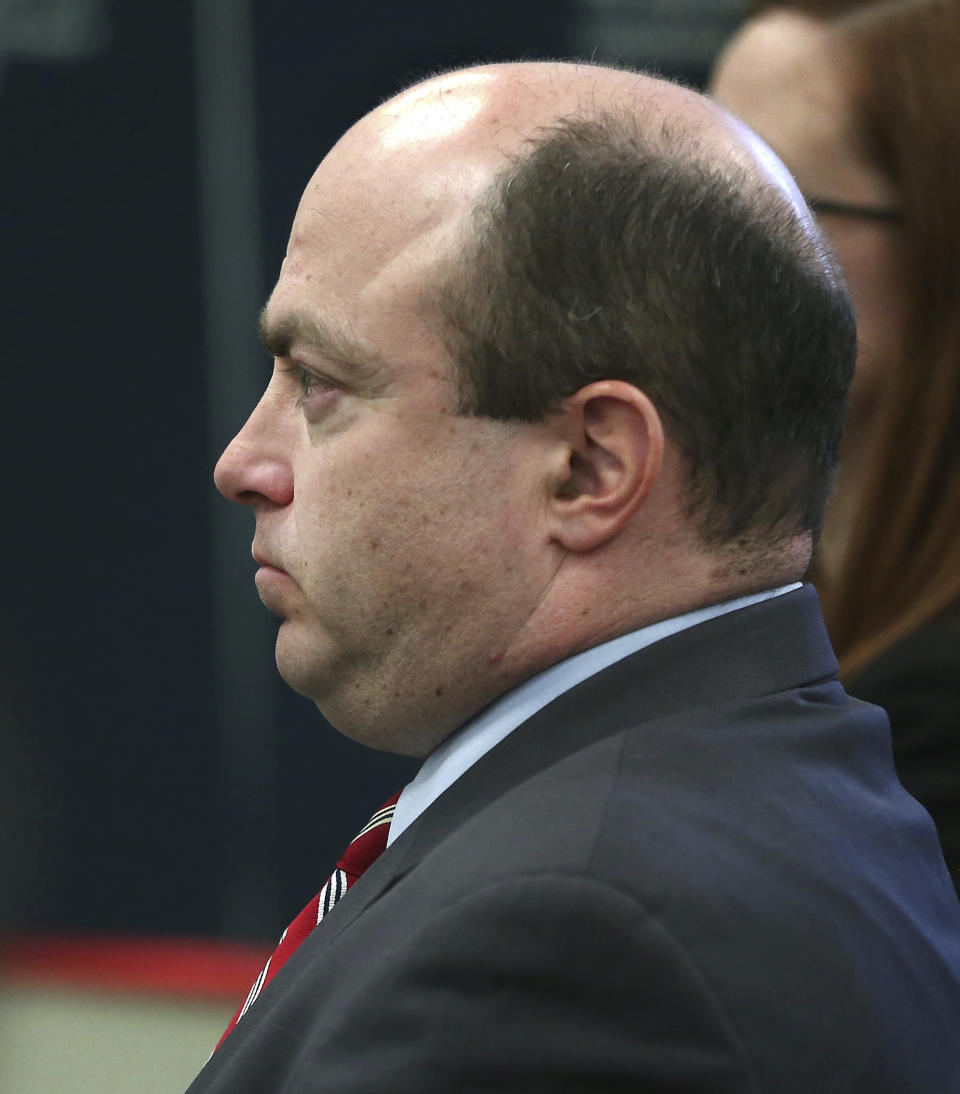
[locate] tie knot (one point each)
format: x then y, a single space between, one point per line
369 843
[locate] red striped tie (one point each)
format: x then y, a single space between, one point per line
365 847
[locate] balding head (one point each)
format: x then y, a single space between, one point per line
687 201
558 353
694 230
453 133
600 223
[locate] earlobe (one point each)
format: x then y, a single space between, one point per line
614 438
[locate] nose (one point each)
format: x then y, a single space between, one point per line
255 466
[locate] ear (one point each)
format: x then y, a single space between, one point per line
613 449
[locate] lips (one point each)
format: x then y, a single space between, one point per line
265 561
275 586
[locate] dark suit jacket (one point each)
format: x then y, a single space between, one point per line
917 682
695 872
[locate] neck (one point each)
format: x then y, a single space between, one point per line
601 599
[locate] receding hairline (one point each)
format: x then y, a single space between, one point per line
532 96
639 127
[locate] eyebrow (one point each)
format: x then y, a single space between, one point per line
282 335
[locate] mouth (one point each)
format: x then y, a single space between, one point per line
275 587
265 563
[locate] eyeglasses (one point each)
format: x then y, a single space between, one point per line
851 209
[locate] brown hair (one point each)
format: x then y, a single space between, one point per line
901 568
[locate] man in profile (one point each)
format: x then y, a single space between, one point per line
560 368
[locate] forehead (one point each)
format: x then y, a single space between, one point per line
376 231
378 221
362 266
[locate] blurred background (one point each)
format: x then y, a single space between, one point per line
158 780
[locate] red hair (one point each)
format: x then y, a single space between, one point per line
901 565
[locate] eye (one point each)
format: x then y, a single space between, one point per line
307 380
316 392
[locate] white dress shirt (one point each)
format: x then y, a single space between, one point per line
462 749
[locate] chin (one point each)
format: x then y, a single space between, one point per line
362 715
299 678
352 694
299 665
324 680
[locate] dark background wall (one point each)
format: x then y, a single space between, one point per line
136 798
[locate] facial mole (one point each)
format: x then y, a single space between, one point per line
374 544
438 691
389 630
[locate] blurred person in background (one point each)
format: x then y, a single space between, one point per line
862 102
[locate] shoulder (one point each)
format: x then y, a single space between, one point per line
667 883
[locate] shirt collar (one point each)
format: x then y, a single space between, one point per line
463 748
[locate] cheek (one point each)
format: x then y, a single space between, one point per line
385 523
357 529
871 257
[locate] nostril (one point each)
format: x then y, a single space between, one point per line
250 478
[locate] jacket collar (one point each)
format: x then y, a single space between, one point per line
769 647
